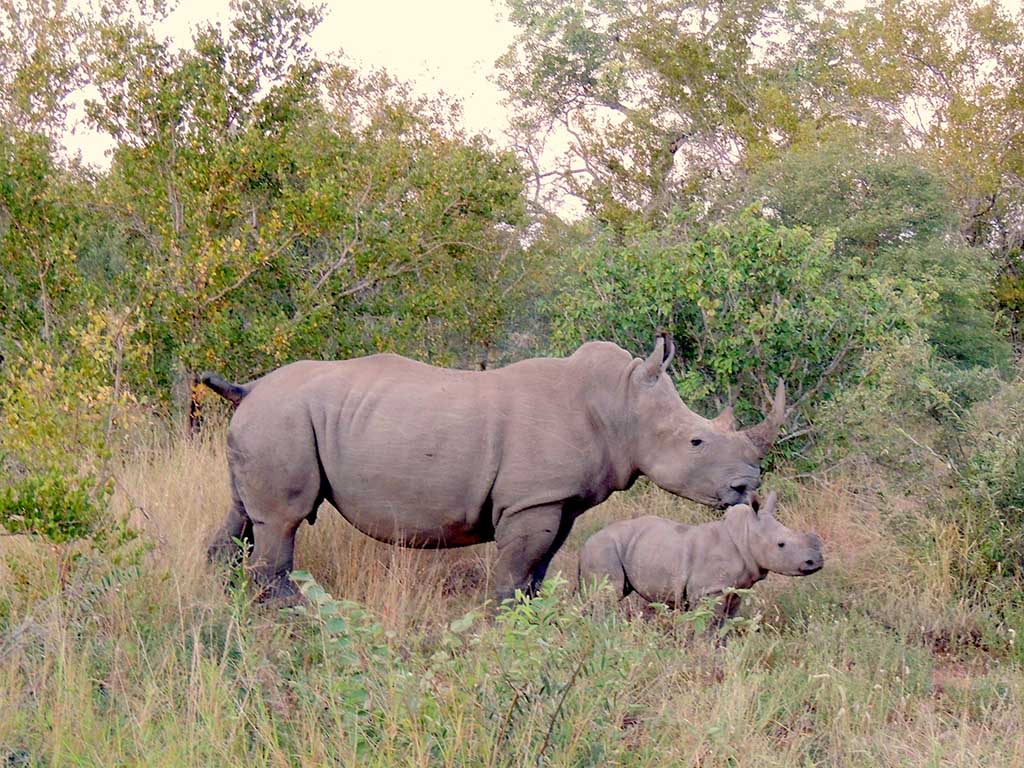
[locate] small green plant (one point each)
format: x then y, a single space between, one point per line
349 632
355 656
547 664
704 615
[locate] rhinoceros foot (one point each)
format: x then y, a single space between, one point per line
276 590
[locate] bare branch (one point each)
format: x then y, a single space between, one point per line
346 252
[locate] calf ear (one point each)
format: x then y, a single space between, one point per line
657 362
768 508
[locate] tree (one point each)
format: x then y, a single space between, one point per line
657 97
39 69
40 64
891 212
948 75
268 205
668 104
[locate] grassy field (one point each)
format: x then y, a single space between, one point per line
143 658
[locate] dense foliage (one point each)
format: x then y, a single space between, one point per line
748 303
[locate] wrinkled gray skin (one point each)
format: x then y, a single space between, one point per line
429 457
668 562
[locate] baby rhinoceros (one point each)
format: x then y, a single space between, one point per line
668 562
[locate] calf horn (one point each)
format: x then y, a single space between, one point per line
763 435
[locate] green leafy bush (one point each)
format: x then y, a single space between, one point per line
748 301
54 506
892 213
907 409
992 482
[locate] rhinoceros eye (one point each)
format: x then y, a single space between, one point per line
782 544
696 441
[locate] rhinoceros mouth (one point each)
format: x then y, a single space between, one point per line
812 569
737 498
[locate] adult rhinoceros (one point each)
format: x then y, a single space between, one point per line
430 457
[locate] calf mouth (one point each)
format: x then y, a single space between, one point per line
808 570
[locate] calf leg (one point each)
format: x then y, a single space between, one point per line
601 560
526 542
726 607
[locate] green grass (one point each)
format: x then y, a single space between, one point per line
144 659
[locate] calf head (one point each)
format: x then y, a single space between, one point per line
773 546
706 460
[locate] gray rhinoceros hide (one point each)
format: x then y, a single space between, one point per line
668 562
430 457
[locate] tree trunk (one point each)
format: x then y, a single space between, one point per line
195 408
44 303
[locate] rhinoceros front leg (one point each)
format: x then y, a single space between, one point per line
541 569
527 540
726 607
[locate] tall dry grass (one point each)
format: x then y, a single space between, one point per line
114 660
176 491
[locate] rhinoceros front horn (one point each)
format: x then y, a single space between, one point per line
763 435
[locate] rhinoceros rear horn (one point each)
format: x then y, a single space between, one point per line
657 362
669 349
726 419
764 434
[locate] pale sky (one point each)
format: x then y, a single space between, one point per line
446 45
439 45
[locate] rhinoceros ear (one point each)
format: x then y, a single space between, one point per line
768 507
657 362
755 501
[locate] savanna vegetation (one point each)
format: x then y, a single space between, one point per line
797 189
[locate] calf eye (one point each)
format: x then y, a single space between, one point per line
782 544
696 441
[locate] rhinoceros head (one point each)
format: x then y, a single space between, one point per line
773 546
707 460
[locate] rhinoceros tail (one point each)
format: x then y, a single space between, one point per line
230 391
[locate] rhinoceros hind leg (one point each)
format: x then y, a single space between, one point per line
236 527
527 540
273 556
280 483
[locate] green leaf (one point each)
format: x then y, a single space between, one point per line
336 626
460 625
